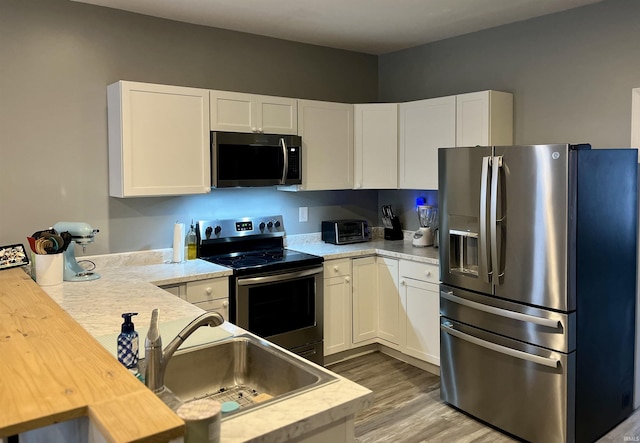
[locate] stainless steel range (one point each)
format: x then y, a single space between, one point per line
274 292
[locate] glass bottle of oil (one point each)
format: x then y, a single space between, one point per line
192 243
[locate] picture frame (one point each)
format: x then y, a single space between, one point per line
12 256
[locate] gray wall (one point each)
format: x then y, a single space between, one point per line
571 73
56 59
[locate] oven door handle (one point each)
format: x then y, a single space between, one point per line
280 277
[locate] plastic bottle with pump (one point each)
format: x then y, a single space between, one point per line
192 243
128 343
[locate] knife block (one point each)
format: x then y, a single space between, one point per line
395 232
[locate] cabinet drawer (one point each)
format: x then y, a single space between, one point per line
207 290
337 268
420 271
221 306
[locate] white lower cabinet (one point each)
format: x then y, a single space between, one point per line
209 295
420 325
365 300
395 303
390 312
337 306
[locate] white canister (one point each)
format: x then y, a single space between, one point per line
49 269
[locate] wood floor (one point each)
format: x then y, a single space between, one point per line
407 407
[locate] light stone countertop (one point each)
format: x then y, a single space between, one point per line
127 284
387 248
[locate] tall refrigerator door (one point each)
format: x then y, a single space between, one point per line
529 218
464 256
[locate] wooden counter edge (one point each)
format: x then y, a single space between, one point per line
125 411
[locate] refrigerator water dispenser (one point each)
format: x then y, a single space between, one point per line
463 247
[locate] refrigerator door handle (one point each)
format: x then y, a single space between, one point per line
548 322
550 362
496 164
483 265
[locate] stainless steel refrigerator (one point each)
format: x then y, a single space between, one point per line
538 293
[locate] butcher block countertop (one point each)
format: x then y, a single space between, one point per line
53 370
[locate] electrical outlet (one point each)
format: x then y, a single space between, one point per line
303 214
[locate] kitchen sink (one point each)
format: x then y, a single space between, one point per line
244 369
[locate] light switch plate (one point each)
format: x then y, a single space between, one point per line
303 214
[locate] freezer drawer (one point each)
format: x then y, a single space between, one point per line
541 327
522 389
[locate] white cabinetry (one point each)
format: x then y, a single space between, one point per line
376 146
425 126
365 300
240 112
327 141
484 118
158 140
337 306
390 312
209 295
420 326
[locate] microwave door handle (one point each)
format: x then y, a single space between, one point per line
285 167
493 219
484 270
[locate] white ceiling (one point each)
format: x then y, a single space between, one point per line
369 26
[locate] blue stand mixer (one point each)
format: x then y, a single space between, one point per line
82 234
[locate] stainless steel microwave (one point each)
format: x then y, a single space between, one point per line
251 160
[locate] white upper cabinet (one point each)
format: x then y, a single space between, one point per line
376 146
239 112
425 126
158 140
484 118
326 129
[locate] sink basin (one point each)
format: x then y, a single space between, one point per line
244 369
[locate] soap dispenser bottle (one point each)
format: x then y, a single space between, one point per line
192 243
128 343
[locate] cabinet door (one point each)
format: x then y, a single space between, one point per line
337 314
365 303
376 146
277 115
389 305
327 142
420 302
425 126
158 140
233 111
484 118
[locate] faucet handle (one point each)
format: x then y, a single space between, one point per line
153 338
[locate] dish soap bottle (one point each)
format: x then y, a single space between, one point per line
192 242
128 343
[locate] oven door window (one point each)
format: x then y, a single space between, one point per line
281 307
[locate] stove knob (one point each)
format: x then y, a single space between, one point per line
261 226
277 224
217 230
208 231
270 225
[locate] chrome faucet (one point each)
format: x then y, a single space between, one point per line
156 359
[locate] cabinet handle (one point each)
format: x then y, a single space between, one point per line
403 283
209 291
427 273
254 129
347 279
225 304
261 131
336 269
